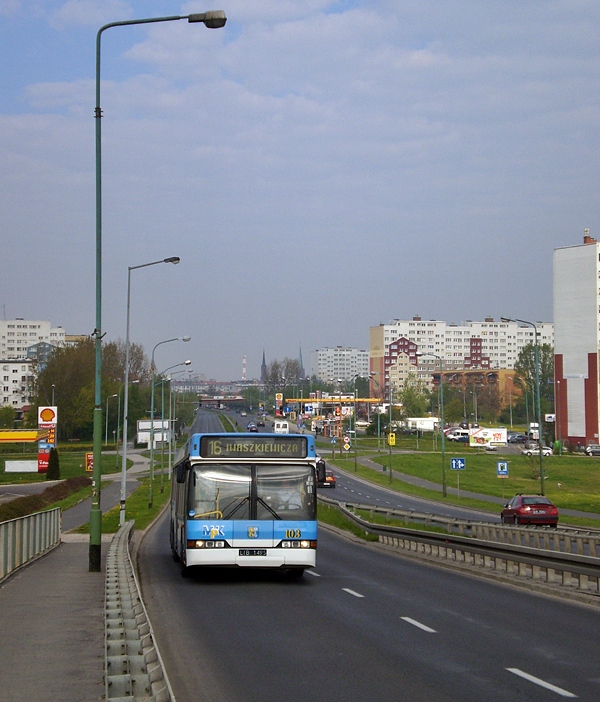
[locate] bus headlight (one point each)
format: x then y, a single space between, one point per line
298 544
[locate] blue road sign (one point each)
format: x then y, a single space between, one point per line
502 469
457 463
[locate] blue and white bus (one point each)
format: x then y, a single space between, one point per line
245 500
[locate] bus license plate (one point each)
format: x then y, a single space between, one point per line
253 552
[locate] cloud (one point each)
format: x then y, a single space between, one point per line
94 13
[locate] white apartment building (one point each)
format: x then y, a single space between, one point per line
21 342
487 345
17 379
340 363
17 336
576 288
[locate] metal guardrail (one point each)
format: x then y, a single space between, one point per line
133 666
574 571
585 542
26 538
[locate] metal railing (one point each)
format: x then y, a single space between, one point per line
26 538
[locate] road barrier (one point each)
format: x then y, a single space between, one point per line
133 666
25 538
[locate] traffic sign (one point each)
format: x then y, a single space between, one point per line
457 463
502 467
392 438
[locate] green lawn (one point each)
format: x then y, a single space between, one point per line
571 481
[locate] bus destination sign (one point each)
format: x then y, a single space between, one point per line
235 446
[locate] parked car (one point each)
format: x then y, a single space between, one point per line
530 509
535 451
517 438
592 450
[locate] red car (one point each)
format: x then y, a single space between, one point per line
329 481
530 509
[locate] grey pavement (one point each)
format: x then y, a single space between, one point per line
52 621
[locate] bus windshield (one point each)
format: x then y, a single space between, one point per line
257 491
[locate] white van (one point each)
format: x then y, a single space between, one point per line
458 435
280 427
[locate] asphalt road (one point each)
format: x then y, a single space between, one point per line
365 625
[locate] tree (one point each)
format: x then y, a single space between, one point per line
7 417
282 376
412 397
53 472
70 373
525 377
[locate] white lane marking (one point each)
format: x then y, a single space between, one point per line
351 592
541 683
414 622
312 572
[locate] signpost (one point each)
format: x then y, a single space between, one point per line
502 469
458 464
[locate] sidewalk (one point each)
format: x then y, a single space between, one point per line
52 627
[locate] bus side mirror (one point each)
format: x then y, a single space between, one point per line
321 471
181 473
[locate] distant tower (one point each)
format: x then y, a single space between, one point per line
263 370
244 368
301 369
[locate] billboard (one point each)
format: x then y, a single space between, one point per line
483 436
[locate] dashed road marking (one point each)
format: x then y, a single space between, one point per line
351 592
414 622
541 683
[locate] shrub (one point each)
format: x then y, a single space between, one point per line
30 504
53 472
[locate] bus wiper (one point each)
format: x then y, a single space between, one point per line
268 507
229 515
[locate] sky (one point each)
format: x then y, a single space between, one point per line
320 167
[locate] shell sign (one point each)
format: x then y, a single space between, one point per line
47 415
47 418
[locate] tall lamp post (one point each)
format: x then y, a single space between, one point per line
162 417
355 430
213 20
537 392
378 409
150 489
174 260
442 422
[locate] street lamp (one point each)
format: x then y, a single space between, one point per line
378 409
162 418
442 422
106 429
166 341
355 430
174 260
537 392
213 19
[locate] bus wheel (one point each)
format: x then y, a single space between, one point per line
295 573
